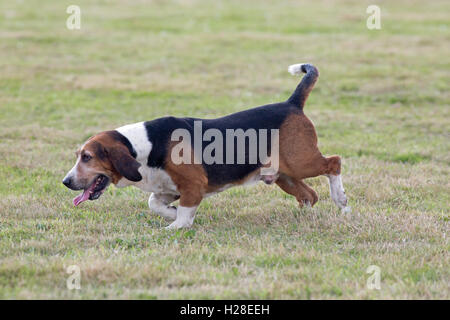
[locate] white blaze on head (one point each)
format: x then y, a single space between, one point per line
72 174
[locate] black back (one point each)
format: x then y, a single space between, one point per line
268 117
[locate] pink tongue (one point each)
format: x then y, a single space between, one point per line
84 196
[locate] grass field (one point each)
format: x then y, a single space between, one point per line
381 103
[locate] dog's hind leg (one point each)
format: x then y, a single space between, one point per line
337 192
315 166
159 203
304 194
311 191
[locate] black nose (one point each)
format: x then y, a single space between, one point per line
67 182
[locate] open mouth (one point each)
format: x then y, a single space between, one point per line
94 191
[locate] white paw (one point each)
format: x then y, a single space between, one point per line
337 191
170 213
341 200
161 208
185 218
178 224
346 210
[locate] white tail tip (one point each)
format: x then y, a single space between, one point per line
295 69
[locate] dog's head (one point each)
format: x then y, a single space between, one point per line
105 158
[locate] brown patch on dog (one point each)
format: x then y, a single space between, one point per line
299 155
190 179
300 158
334 165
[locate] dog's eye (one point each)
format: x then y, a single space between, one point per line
85 157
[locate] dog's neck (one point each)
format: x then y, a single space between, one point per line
136 133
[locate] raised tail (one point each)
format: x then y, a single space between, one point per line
305 86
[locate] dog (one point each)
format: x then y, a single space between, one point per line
142 155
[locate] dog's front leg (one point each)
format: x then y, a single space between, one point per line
189 202
159 203
185 218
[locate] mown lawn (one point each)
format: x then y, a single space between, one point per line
382 103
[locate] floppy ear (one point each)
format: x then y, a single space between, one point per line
124 163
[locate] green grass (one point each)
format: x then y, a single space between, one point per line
382 103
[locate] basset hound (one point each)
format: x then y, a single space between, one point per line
190 159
